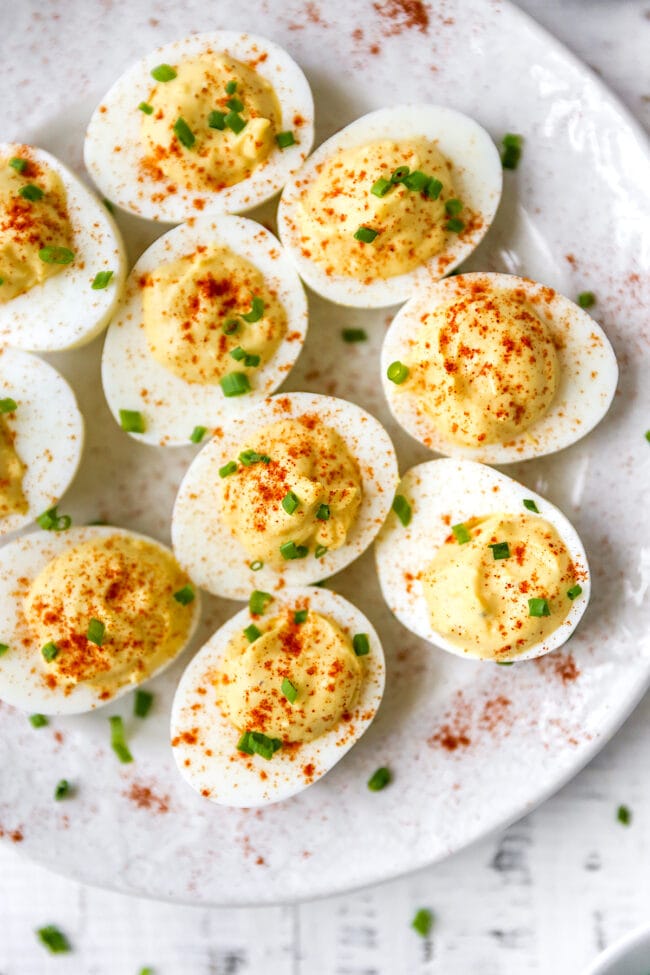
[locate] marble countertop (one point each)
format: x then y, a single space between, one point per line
543 897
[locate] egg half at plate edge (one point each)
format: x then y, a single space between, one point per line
288 494
496 368
77 607
479 565
397 198
297 700
62 262
215 122
213 318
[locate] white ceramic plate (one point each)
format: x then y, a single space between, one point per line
472 746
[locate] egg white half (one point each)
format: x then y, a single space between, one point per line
204 544
587 381
477 175
65 311
449 492
205 742
22 670
172 407
116 124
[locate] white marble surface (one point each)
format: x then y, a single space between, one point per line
542 898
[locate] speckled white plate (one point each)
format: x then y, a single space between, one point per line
472 746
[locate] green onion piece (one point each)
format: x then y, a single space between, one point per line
235 105
56 255
146 971
511 152
256 312
183 133
416 181
402 509
538 607
38 720
62 790
251 360
235 384
354 335
323 513
289 690
256 565
381 187
361 644
142 703
95 632
49 651
31 192
423 922
266 747
574 592
54 939
249 457
51 521
217 120
461 534
185 596
238 353
146 108
586 299
230 327
505 663
530 504
20 165
453 207
4 648
399 175
231 87
252 633
228 468
164 72
244 743
300 616
647 435
433 189
132 421
101 280
454 226
118 742
289 551
500 550
109 206
2 280
379 779
285 139
320 551
197 434
8 405
258 601
290 502
365 234
235 122
624 815
397 372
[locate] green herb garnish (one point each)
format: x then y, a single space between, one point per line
624 815
235 384
433 189
500 550
52 521
256 565
530 504
290 502
320 551
365 234
38 720
54 939
454 226
250 457
56 255
185 596
118 741
20 165
423 922
235 122
8 405
354 335
62 790
31 192
397 372
586 299
252 633
285 139
289 690
95 632
511 151
379 779
361 644
300 616
416 181
101 280
132 421
50 651
228 469
146 108
574 592
217 120
538 607
258 602
381 187
402 509
197 434
256 312
290 551
461 534
142 703
255 743
163 72
183 133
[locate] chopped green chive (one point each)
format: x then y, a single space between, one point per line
256 565
454 226
230 327
453 207
500 550
416 181
256 312
183 133
185 596
361 644
56 255
235 122
52 521
146 108
290 502
244 745
235 105
574 592
461 534
402 509
2 280
250 457
289 690
538 607
530 504
238 353
258 601
95 632
197 434
647 435
586 299
320 551
323 513
20 165
38 720
231 88
433 189
62 790
300 616
251 360
228 468
101 280
624 815
354 335
132 421
379 779
365 234
31 193
399 175
217 120
290 551
285 139
54 939
252 633
423 922
511 151
142 703
118 741
397 372
8 405
254 742
4 648
109 206
163 72
381 187
505 663
50 651
146 971
235 384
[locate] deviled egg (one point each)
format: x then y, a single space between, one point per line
394 200
38 458
214 317
276 697
62 262
86 614
496 368
284 496
214 122
480 565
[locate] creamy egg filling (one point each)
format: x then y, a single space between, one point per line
12 472
500 584
293 492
